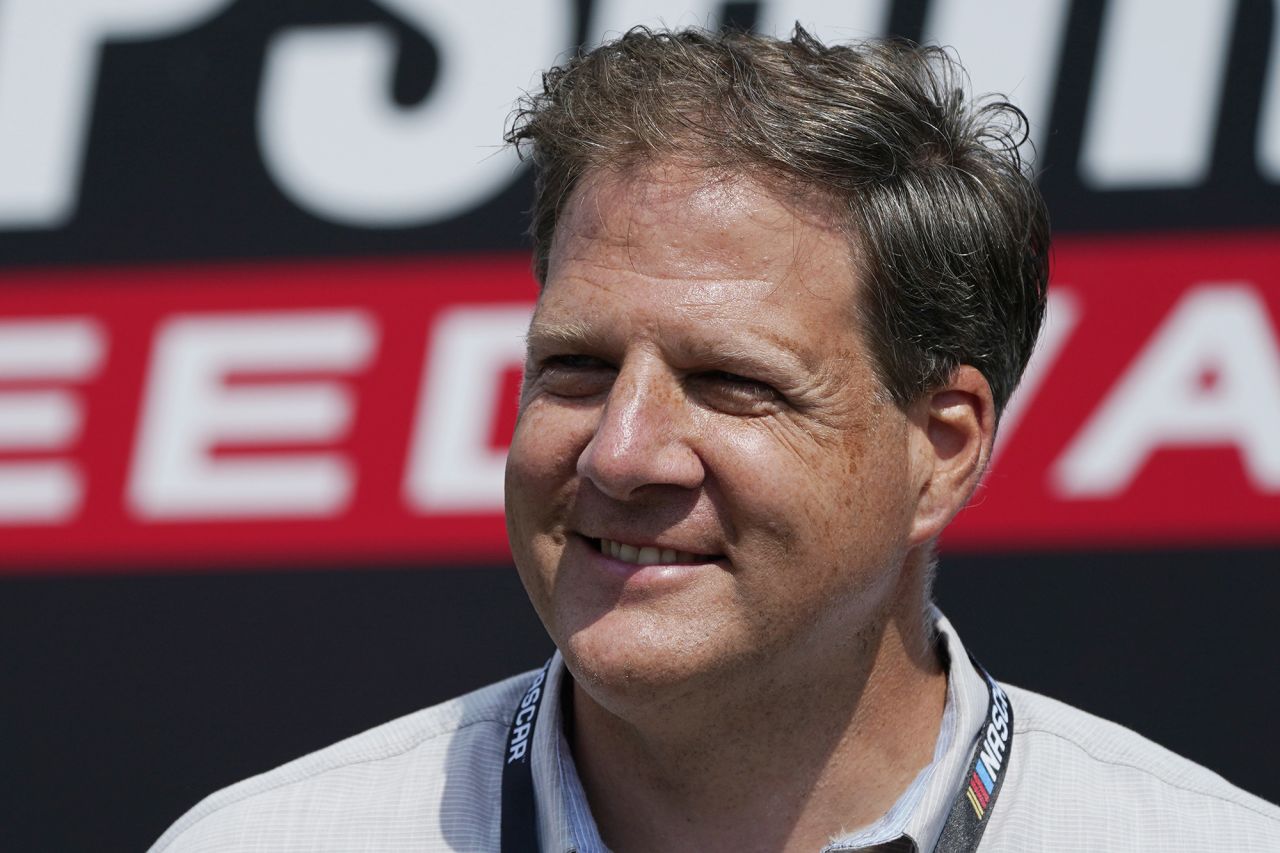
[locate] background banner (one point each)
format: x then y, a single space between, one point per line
263 287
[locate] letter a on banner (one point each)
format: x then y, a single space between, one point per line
1220 331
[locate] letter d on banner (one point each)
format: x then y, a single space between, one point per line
451 466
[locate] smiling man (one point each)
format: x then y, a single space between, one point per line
722 517
786 291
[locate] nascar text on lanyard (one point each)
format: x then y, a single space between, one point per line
970 810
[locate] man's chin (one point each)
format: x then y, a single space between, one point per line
626 668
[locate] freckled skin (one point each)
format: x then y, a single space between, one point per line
696 378
808 498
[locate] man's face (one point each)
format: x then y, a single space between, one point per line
706 475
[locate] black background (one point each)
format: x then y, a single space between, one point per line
133 697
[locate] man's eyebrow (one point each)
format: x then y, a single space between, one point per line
772 353
573 334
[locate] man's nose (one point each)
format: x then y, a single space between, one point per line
642 437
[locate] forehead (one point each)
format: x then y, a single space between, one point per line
687 244
675 219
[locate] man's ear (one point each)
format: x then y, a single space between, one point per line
952 428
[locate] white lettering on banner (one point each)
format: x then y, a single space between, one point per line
829 20
452 468
45 491
1061 316
1269 121
337 144
188 410
1007 46
612 18
1210 376
1156 93
48 62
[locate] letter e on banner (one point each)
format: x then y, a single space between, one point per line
451 466
189 409
43 491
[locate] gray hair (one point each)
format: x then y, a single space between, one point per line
949 231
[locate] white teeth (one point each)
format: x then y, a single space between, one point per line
648 555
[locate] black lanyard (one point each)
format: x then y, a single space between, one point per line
970 810
519 820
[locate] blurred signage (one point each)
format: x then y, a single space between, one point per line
1150 414
344 410
262 286
328 121
360 410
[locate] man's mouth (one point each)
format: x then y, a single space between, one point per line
649 555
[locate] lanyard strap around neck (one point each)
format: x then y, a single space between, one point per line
519 816
971 809
968 818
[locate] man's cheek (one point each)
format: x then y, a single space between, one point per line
548 440
761 457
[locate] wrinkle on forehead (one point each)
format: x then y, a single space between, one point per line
576 333
715 226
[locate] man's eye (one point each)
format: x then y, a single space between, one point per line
573 362
573 375
736 392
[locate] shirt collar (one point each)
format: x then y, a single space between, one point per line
914 822
558 792
971 699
